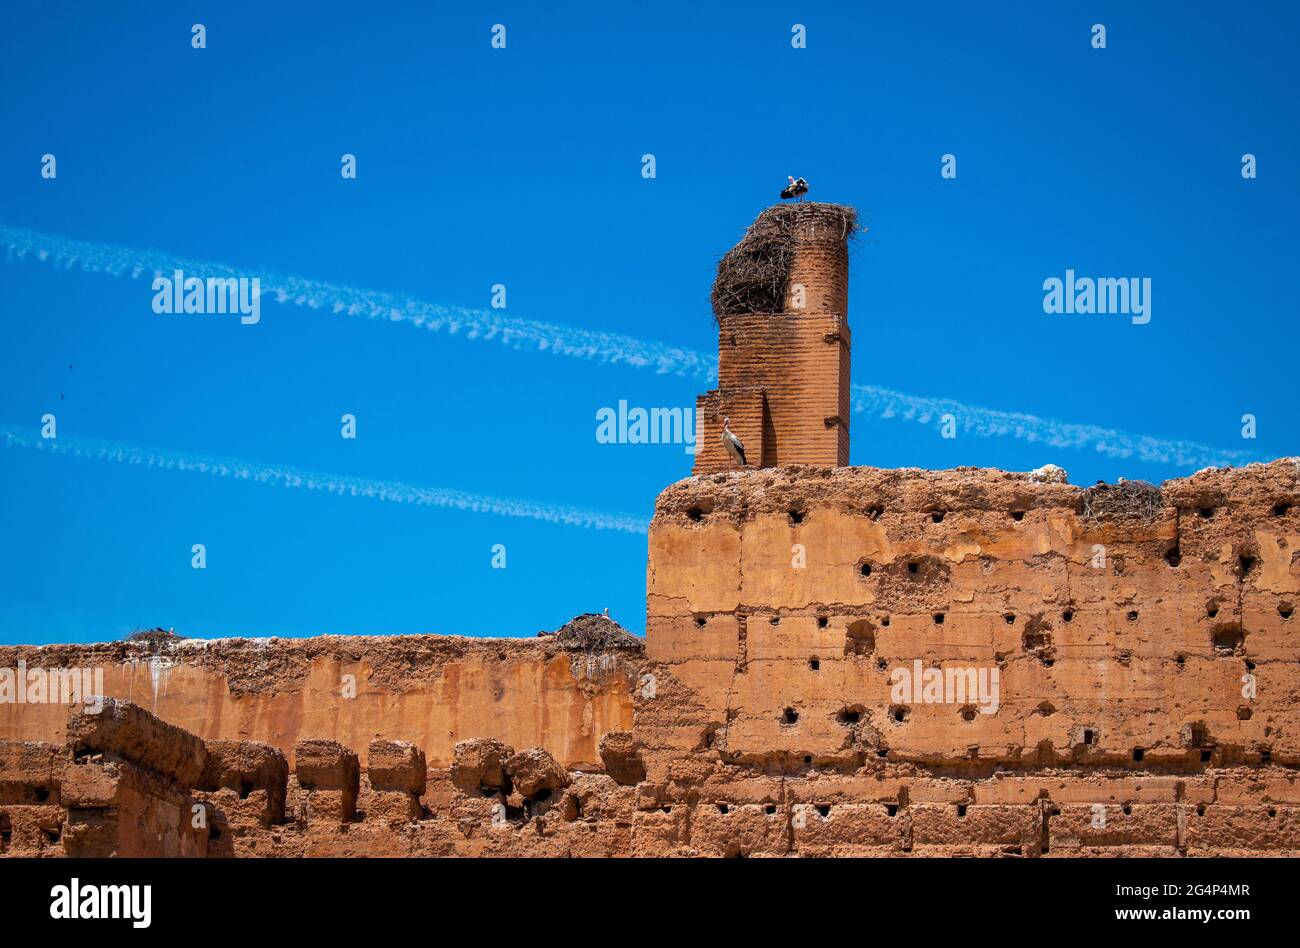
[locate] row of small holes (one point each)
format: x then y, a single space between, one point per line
1285 610
1280 509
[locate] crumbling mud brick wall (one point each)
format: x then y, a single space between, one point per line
1147 679
1147 660
781 300
556 691
31 813
118 786
125 783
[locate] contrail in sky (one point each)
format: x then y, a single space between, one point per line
511 331
281 476
989 423
610 348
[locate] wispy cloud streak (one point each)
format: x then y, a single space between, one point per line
487 325
990 423
609 348
281 476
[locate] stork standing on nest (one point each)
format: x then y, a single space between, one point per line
735 447
797 189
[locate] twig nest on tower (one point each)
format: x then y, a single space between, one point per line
753 275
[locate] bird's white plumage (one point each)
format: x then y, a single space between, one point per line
735 447
797 189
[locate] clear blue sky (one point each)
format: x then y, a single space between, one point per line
522 166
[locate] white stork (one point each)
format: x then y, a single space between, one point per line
735 447
797 189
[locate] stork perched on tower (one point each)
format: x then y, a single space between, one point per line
797 189
735 447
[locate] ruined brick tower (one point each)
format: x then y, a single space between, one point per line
781 301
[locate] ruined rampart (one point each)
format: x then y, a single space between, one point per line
1128 659
428 689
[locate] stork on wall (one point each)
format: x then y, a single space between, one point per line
735 447
797 189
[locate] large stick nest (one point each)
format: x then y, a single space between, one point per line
752 276
1129 499
154 635
593 632
157 639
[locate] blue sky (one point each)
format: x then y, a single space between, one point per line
522 166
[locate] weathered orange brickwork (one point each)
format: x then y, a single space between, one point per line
798 358
433 690
1148 670
799 362
1148 667
746 408
127 784
1127 642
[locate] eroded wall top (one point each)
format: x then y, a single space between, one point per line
561 692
